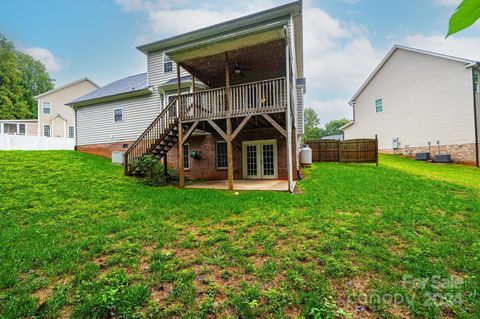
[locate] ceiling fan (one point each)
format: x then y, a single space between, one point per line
239 70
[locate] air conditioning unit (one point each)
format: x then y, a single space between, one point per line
395 143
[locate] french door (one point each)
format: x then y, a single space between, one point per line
259 159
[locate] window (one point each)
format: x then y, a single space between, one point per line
71 131
118 115
221 154
46 130
476 85
47 107
379 105
186 159
167 64
22 129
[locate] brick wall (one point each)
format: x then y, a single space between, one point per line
104 149
460 153
205 166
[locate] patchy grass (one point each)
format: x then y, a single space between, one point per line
81 240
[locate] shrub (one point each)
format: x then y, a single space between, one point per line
152 171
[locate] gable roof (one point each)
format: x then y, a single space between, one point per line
67 85
467 62
130 84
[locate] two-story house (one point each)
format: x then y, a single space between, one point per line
223 102
416 100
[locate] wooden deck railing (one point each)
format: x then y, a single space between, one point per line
160 127
268 96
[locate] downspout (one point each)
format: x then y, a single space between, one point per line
288 113
75 130
475 121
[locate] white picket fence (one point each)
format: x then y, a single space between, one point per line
35 143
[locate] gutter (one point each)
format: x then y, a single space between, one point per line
475 121
110 98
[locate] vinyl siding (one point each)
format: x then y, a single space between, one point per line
425 98
155 69
95 123
300 110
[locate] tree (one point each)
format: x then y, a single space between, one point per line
333 127
21 78
466 14
12 102
311 125
35 79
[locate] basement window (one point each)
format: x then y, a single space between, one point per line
379 105
221 155
186 159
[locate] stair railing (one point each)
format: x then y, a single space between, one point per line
154 133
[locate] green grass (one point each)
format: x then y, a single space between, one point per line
81 240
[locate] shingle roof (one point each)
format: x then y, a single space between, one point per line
126 85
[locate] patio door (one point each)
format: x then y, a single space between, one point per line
259 159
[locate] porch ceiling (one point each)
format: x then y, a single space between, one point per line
259 62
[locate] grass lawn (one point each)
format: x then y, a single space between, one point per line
78 239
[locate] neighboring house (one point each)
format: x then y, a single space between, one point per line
415 97
55 117
19 127
231 95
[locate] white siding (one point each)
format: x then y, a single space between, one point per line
95 123
300 110
155 69
425 98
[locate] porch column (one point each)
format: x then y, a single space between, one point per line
181 168
229 124
289 114
1 128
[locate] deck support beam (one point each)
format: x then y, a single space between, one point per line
228 107
218 129
240 126
181 167
190 131
275 124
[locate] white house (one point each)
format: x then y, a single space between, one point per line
414 98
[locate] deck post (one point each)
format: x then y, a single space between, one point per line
181 167
288 114
229 123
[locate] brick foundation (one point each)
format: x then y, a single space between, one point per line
104 150
460 153
205 166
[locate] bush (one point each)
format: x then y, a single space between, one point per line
152 171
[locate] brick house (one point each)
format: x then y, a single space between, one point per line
223 102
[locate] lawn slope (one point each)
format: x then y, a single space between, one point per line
81 240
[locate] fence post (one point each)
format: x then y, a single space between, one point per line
339 153
376 150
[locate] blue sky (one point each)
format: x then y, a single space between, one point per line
344 39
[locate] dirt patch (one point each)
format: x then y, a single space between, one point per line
42 294
346 291
160 293
148 250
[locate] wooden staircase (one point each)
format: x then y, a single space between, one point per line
157 139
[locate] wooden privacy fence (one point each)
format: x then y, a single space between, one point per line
363 150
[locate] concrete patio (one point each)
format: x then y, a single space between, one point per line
243 185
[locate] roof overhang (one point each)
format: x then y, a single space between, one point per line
65 86
250 30
346 125
110 98
467 63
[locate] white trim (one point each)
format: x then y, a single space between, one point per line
67 85
259 144
346 125
113 113
50 129
393 50
68 136
43 107
1 128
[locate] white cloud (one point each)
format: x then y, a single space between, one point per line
447 2
51 62
330 110
463 47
